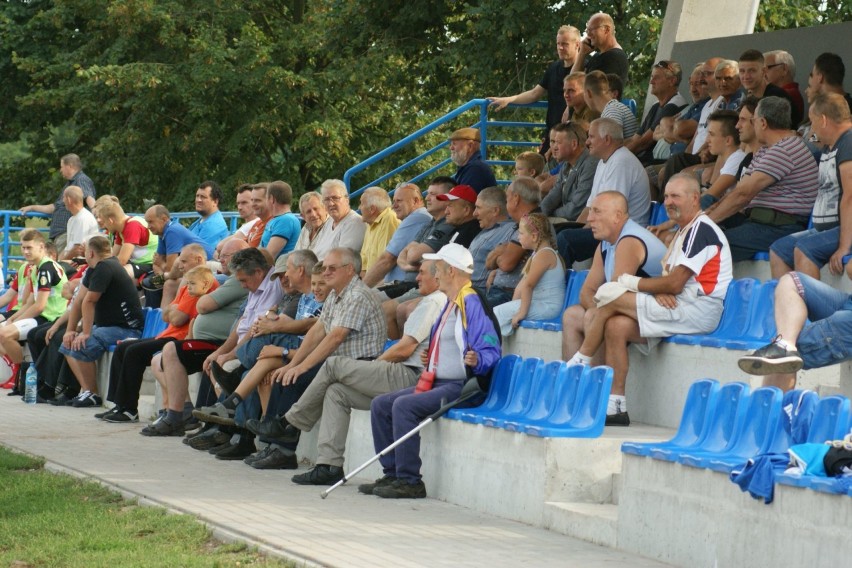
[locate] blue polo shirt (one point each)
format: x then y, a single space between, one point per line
210 230
175 236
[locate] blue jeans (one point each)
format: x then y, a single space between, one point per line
101 340
249 351
818 246
395 414
828 338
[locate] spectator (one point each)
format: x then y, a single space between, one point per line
495 228
781 72
665 79
316 216
260 208
81 224
753 79
577 171
346 228
625 248
600 37
130 358
463 323
687 298
133 243
778 189
381 223
282 229
577 110
826 76
530 164
541 291
601 100
723 142
567 44
812 319
44 302
465 154
217 313
109 312
831 237
344 383
71 169
211 227
507 259
413 216
619 170
246 211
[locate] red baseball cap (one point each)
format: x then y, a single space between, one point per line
464 192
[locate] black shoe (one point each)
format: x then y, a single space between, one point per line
162 428
259 455
153 282
239 451
87 399
122 416
213 450
275 458
322 474
104 414
277 429
367 488
61 400
617 419
401 489
205 430
217 414
771 359
14 392
192 424
228 380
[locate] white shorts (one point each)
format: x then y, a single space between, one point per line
24 326
693 315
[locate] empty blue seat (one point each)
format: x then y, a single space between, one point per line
498 393
730 411
153 326
760 256
528 375
797 412
659 214
734 319
569 383
761 319
541 396
631 104
699 406
589 415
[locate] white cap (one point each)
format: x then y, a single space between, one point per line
455 255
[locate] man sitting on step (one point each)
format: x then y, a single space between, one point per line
687 298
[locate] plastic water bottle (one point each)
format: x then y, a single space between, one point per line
31 387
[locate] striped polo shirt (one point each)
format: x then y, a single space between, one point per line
796 173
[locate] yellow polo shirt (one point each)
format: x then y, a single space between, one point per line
377 237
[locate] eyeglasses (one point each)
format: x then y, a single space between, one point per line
332 199
663 64
333 267
774 65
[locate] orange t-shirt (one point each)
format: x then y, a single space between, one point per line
186 304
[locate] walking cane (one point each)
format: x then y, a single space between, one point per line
469 390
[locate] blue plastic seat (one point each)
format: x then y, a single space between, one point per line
797 408
699 406
390 343
761 318
540 401
631 104
575 281
569 382
528 376
658 214
498 393
729 412
589 416
153 326
734 321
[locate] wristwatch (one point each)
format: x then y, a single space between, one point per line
284 353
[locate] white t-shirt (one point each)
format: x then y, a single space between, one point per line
624 173
81 227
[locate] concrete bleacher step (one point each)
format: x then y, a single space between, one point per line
593 522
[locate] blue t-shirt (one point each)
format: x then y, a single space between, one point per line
287 227
210 230
406 233
175 236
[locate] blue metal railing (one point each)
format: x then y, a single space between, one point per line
483 124
10 229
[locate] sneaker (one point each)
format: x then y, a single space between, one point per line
62 400
102 415
577 360
401 489
122 416
771 359
217 414
275 458
228 380
259 455
162 428
618 419
153 282
87 399
239 451
367 488
322 474
277 429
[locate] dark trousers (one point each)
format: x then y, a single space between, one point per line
54 375
129 361
678 162
283 397
576 245
395 414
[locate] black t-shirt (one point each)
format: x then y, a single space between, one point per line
552 83
776 91
119 302
612 61
465 233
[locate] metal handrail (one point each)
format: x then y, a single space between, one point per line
483 124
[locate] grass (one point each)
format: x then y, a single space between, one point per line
52 520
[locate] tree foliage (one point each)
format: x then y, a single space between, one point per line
156 95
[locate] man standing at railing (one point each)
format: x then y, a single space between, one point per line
71 169
567 45
464 152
